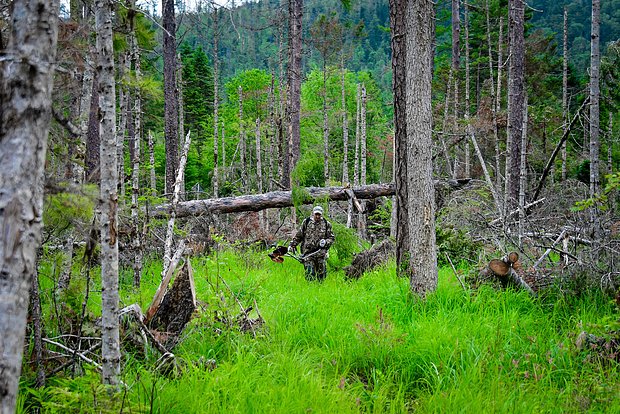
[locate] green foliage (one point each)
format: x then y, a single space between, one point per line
345 245
63 211
308 171
600 200
456 244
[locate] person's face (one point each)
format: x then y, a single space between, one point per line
317 216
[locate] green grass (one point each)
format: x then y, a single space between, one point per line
366 346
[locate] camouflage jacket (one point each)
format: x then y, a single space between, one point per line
311 232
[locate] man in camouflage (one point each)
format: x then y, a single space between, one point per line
315 236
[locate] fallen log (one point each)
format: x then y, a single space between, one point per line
280 199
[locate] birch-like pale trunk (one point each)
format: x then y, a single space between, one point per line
152 165
242 144
283 159
216 104
523 174
467 98
422 253
223 141
181 123
498 105
325 128
345 127
455 68
175 201
595 63
356 162
564 90
444 127
122 128
259 170
26 82
492 91
361 222
273 145
135 162
363 137
84 110
108 200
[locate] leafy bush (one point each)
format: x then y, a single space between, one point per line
455 243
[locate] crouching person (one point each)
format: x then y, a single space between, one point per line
314 236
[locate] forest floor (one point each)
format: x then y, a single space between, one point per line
354 346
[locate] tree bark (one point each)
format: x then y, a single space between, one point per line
92 136
108 202
401 203
595 63
564 90
135 162
242 144
26 81
356 163
171 95
216 104
325 127
498 103
516 93
345 127
422 249
294 82
152 165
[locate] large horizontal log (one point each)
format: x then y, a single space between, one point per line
279 199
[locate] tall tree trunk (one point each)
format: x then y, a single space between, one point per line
216 104
523 175
78 173
595 63
498 103
455 66
92 136
399 87
422 250
361 222
122 128
493 103
223 142
273 144
295 8
467 97
135 162
259 161
242 144
282 128
325 128
26 81
356 163
171 95
152 165
345 126
516 91
108 202
37 331
182 121
564 90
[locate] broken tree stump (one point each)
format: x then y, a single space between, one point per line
176 308
369 259
507 271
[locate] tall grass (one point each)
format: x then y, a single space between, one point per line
369 346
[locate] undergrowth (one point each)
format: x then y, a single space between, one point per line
356 346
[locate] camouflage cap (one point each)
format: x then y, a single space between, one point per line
317 209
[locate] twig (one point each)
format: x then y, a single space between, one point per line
74 351
546 253
455 272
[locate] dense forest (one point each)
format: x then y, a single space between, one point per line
156 160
